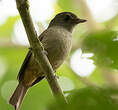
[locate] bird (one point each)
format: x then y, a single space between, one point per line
57 42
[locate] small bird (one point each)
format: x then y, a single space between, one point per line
57 42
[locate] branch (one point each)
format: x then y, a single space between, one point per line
37 50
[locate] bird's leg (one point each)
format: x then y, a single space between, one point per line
45 52
56 76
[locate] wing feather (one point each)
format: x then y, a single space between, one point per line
25 63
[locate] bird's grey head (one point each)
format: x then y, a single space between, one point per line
67 20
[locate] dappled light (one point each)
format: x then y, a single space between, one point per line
103 10
81 63
66 83
47 7
7 8
19 35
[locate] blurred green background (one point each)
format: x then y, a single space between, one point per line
89 76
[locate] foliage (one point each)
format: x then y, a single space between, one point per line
104 45
89 98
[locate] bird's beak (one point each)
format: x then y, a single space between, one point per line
78 20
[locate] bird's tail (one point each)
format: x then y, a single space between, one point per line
18 95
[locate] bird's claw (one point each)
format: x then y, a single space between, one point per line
56 76
45 52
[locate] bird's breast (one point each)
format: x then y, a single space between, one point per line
58 45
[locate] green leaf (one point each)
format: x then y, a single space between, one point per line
89 98
104 45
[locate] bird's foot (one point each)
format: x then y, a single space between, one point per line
45 52
57 77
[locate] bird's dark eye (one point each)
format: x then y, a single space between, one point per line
67 17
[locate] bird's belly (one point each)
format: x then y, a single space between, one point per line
58 51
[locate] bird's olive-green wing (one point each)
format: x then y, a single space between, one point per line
25 64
